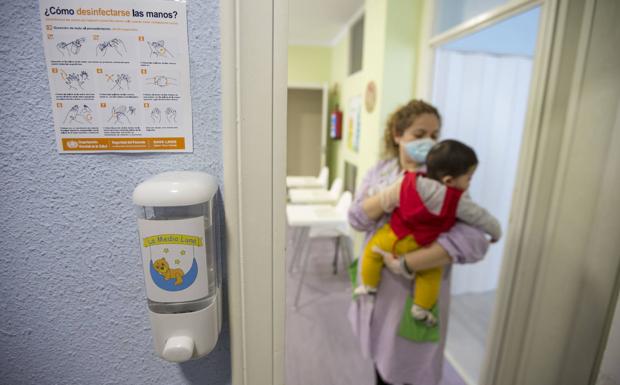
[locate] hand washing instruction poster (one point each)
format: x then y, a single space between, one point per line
118 74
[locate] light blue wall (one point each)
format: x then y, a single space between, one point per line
514 36
72 305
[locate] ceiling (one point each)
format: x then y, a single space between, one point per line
320 22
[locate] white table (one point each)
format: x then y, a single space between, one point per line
312 196
302 217
315 216
324 220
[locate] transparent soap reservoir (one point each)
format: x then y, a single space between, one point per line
180 258
181 267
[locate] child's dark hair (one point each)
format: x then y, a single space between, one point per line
450 158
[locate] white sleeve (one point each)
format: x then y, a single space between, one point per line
432 193
389 197
470 212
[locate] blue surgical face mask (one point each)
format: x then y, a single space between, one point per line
418 149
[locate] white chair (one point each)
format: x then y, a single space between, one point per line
321 221
309 181
317 196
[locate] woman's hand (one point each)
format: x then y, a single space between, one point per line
389 260
383 202
424 258
389 197
393 262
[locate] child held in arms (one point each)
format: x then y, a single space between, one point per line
424 206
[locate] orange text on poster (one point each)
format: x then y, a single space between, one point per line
122 144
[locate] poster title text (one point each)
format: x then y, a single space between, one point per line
52 11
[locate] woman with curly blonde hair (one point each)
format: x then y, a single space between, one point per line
377 320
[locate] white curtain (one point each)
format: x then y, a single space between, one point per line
483 100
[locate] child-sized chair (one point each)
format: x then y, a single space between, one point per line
321 221
317 196
309 181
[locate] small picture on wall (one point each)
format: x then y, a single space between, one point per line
354 123
371 96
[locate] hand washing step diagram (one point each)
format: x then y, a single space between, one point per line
118 74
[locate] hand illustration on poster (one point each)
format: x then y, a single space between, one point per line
79 115
71 48
74 80
119 82
113 45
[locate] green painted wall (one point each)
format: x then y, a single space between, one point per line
391 40
345 87
338 78
391 45
399 60
375 25
309 64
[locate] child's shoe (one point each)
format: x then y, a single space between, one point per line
365 290
424 315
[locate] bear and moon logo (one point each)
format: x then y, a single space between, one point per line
171 266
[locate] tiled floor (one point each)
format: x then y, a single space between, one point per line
320 348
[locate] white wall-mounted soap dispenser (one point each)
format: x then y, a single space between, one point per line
181 262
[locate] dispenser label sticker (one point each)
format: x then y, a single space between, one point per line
118 75
174 255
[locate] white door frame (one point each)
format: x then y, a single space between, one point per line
541 335
254 75
324 98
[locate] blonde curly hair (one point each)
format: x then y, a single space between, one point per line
401 119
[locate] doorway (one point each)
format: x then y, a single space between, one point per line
306 129
535 337
481 84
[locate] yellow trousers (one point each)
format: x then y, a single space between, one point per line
427 282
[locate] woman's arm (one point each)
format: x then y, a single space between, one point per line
462 244
421 259
427 258
366 207
383 202
372 207
357 215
